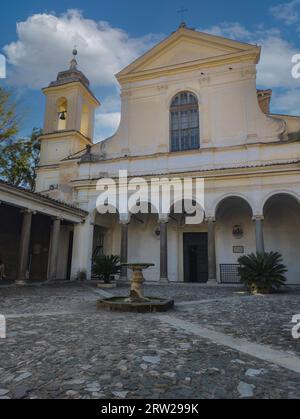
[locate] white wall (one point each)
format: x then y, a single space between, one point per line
231 213
282 234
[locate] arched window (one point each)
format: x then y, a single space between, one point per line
184 121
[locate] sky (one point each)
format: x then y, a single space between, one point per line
37 38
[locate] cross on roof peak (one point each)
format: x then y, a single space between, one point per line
182 13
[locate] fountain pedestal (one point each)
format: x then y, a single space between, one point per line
136 291
136 302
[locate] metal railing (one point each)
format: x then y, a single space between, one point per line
230 274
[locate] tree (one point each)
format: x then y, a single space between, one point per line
8 118
19 159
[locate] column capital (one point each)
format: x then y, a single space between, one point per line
210 220
125 219
57 219
163 218
258 217
28 211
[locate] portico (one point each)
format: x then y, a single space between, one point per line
236 223
35 229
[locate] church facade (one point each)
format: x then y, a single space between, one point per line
190 109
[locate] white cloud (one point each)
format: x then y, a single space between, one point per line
45 42
232 30
274 69
289 13
108 121
288 101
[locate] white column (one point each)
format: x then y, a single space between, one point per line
124 249
259 233
53 257
24 247
212 266
83 248
163 222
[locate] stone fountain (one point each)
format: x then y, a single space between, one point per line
136 301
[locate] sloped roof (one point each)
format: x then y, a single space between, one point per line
45 199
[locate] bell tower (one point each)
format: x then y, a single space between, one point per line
69 116
68 129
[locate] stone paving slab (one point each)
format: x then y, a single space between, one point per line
46 290
260 319
49 353
37 305
16 300
106 355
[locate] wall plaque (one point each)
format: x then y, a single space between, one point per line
239 249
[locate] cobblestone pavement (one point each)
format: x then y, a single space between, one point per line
59 346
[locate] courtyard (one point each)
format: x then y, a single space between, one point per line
219 342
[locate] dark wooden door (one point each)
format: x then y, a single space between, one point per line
195 248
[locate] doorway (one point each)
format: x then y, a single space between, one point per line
195 248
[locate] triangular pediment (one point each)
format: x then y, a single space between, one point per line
187 47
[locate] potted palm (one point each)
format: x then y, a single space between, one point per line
106 266
262 272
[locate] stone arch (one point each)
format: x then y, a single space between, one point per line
218 202
282 192
234 230
190 212
188 89
281 211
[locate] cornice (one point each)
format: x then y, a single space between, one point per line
281 168
64 133
75 84
244 56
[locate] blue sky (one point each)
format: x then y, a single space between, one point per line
37 38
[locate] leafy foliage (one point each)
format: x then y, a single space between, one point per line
262 272
19 159
106 266
81 276
8 119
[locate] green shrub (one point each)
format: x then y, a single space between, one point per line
262 272
81 276
106 266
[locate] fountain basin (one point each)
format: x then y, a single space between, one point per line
136 302
148 305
